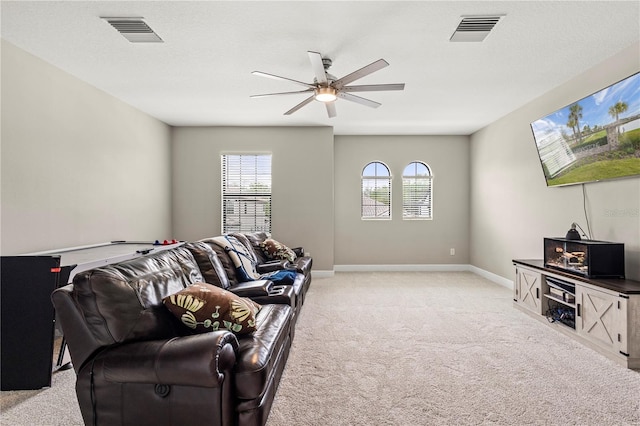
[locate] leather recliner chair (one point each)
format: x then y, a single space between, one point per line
301 266
136 364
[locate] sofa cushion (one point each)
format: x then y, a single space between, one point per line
255 238
123 302
247 244
274 250
225 261
204 307
241 257
209 263
263 352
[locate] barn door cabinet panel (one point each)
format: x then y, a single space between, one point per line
603 314
527 289
602 318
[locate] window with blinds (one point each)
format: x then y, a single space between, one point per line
376 191
417 191
246 193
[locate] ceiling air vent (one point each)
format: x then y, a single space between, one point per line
475 28
134 29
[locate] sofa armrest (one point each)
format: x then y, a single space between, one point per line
303 264
196 360
81 343
299 251
273 265
252 288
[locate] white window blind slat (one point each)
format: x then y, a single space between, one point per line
376 191
246 193
417 192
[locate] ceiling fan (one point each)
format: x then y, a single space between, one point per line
326 88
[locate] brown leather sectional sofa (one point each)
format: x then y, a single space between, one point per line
251 241
137 364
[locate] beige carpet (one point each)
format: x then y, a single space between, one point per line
416 348
441 349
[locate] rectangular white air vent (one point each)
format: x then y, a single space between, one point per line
134 29
475 28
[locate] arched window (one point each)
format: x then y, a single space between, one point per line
417 191
376 191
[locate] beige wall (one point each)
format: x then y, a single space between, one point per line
512 210
78 166
397 241
302 181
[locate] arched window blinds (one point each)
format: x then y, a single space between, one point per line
376 191
417 191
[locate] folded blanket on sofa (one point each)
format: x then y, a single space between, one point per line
242 260
284 276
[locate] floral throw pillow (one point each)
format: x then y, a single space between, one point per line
274 250
204 307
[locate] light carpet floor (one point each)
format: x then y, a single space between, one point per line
415 348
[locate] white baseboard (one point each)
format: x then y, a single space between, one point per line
492 277
322 274
401 268
419 268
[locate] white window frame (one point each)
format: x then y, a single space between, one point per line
375 181
246 192
417 205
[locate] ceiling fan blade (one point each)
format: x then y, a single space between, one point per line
300 105
373 87
277 77
281 93
331 109
359 100
318 67
362 72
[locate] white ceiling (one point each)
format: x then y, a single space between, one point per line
201 74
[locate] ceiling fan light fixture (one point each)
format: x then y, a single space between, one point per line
327 89
325 94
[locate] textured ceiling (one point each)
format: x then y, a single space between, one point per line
201 74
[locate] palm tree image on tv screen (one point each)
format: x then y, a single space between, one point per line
595 138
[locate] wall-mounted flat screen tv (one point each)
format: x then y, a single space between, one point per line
593 139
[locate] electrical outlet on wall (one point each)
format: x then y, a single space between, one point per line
452 252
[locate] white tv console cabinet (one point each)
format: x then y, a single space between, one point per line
603 314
